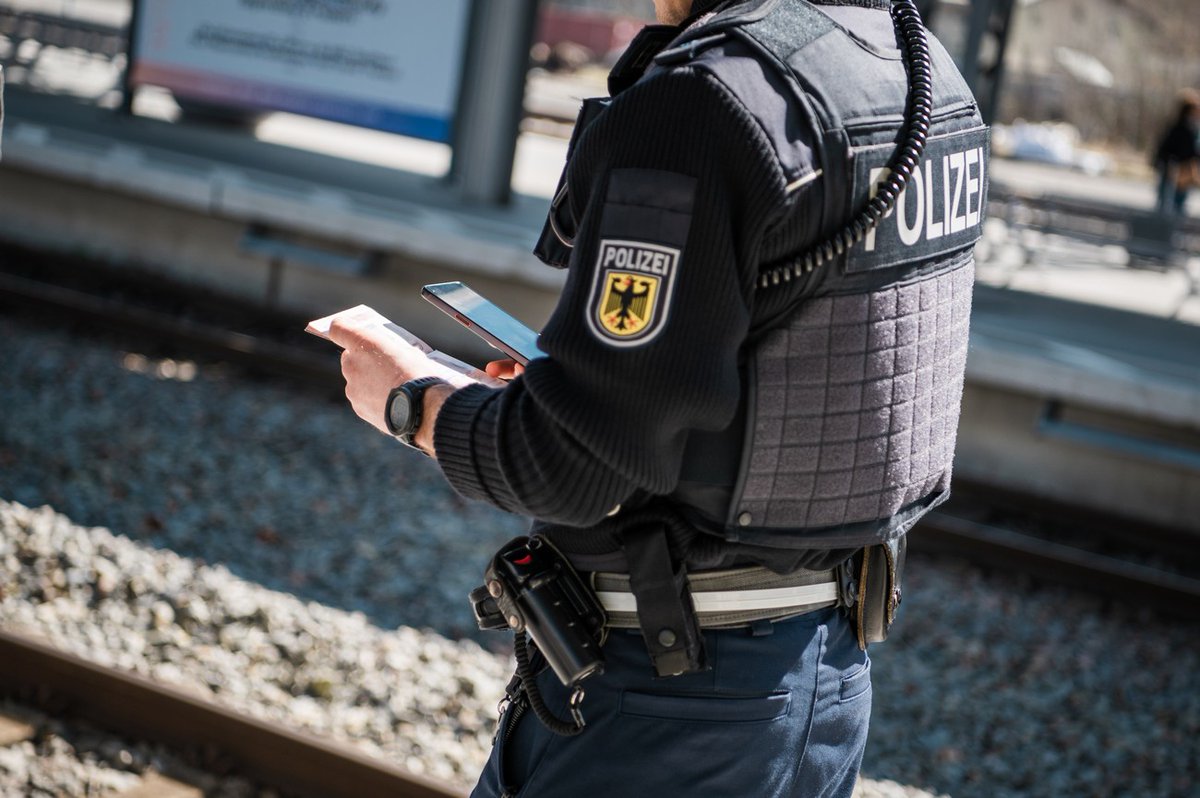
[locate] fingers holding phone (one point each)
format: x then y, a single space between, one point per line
378 355
504 369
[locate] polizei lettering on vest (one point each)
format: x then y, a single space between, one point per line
944 197
638 259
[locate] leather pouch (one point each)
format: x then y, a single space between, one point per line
879 590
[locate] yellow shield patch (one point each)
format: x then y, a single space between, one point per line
631 291
627 302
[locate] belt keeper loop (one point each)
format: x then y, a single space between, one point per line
666 614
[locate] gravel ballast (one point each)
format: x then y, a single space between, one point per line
258 542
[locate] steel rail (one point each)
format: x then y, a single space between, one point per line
1101 527
993 547
129 704
234 346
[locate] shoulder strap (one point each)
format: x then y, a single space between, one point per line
700 37
790 27
666 614
778 37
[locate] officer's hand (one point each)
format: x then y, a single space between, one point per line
504 369
375 360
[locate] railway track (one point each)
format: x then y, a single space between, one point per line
301 764
1047 561
294 762
965 529
19 726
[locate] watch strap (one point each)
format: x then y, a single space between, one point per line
414 391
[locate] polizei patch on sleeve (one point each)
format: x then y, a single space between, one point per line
644 227
631 291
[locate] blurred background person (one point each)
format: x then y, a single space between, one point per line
1177 157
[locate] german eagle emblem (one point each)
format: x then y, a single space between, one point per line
631 291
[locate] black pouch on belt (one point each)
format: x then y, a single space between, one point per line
878 581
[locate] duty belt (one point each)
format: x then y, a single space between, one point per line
730 598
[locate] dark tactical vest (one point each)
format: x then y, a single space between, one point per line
847 431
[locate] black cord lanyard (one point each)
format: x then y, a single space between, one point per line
538 704
900 168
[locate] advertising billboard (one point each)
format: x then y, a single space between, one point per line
393 65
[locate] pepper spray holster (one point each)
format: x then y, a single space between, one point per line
531 588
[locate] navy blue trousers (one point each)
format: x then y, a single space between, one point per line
781 714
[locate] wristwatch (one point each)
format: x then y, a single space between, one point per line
405 406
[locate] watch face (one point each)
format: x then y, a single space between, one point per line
400 411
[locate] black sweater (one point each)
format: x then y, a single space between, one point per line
592 425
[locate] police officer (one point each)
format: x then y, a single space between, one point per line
749 395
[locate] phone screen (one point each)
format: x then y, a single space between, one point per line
484 319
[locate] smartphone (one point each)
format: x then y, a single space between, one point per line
484 319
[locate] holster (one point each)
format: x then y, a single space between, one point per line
530 587
871 588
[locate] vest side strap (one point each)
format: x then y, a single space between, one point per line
666 614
